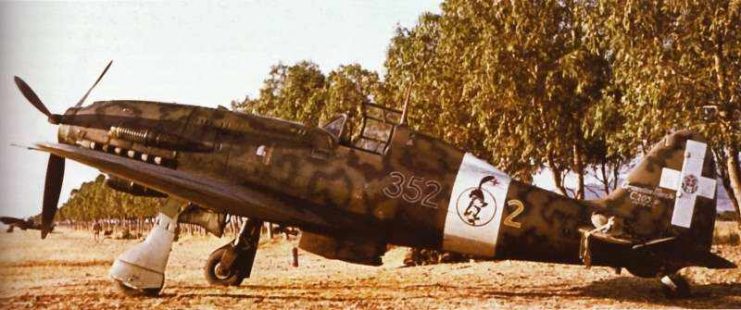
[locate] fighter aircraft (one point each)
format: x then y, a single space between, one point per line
355 193
13 222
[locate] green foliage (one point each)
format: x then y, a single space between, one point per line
290 92
347 88
512 82
94 200
301 92
670 59
569 84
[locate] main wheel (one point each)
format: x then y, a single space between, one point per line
130 291
219 276
675 286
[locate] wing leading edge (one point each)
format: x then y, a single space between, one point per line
203 190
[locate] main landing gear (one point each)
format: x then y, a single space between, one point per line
231 263
141 270
673 285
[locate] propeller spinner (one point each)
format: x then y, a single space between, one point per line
55 166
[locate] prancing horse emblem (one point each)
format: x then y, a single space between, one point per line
476 205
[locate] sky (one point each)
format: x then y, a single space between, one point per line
201 52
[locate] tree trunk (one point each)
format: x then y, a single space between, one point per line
616 175
579 166
734 180
557 174
605 178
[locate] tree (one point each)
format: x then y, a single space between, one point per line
672 59
94 200
347 88
290 92
511 81
300 92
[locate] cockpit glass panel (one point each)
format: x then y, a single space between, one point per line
377 128
336 125
383 115
371 133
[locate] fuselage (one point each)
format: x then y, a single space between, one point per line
354 193
405 192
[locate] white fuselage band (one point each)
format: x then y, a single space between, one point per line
475 210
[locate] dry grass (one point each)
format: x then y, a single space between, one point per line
726 232
69 270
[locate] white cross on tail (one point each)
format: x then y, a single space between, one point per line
689 183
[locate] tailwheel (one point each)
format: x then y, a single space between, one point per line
230 264
134 292
675 286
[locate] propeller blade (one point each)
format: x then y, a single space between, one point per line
79 103
31 96
52 189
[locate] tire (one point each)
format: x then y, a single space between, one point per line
132 292
214 276
675 287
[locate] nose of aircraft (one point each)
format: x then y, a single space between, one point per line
55 165
34 100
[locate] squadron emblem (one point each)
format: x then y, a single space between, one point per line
476 206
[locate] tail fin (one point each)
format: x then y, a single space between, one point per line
670 193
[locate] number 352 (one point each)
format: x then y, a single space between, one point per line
413 189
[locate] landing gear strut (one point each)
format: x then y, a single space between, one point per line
675 286
231 263
141 269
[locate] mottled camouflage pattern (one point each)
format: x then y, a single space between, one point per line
646 223
551 222
309 168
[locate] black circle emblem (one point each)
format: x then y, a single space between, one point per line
476 206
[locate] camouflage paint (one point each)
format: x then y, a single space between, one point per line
367 200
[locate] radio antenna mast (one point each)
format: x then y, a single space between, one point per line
406 107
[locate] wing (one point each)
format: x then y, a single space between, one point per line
11 220
206 191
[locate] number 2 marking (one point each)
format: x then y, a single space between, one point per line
427 201
510 219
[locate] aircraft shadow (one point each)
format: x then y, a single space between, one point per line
626 288
716 295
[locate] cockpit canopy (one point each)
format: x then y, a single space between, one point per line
371 133
336 126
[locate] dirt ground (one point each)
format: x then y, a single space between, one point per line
69 270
